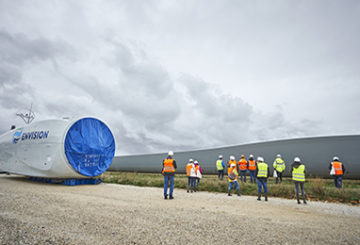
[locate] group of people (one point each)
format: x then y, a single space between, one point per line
259 172
194 174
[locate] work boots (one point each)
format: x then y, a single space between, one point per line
266 197
229 194
259 197
304 199
238 192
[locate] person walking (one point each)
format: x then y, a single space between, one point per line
279 167
168 170
337 169
233 176
220 166
298 175
198 173
262 174
189 168
243 165
252 168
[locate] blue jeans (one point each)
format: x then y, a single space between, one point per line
243 174
262 183
234 183
191 183
252 175
338 181
168 178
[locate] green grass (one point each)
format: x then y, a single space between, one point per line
315 188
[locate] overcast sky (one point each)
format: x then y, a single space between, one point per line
181 75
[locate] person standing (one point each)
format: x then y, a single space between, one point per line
338 170
279 167
243 165
189 168
233 176
220 166
198 173
262 174
298 175
168 170
252 168
231 161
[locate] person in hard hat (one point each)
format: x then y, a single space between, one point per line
262 174
298 175
233 176
252 168
231 161
337 170
220 166
279 167
198 173
190 167
168 170
243 166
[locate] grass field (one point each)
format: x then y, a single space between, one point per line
315 188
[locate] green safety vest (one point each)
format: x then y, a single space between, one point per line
298 174
279 165
262 170
219 165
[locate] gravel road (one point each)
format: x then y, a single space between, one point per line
36 213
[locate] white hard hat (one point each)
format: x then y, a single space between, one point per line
278 155
297 159
251 155
196 161
191 160
233 165
171 153
335 158
220 156
260 159
232 158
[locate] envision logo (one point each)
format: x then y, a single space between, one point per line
34 135
17 135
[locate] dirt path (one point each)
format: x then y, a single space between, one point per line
35 213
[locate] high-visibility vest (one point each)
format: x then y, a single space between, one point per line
231 162
338 168
242 164
219 165
252 165
189 166
298 174
262 170
279 165
168 166
235 172
197 171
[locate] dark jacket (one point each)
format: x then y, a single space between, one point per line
169 174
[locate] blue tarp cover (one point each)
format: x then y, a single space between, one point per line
89 147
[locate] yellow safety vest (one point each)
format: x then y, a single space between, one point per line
279 165
298 174
262 170
219 165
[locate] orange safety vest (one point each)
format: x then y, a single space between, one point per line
231 162
252 165
168 166
188 169
338 168
242 164
229 172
